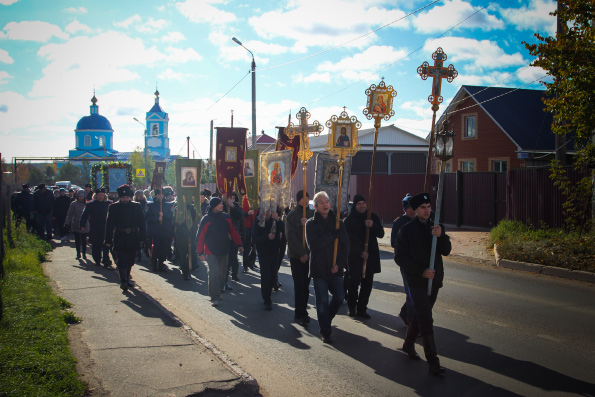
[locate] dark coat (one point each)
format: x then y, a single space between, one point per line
214 233
293 231
43 202
61 205
356 230
125 226
165 228
320 237
397 225
260 236
96 213
23 203
414 247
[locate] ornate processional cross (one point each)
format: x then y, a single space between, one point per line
437 72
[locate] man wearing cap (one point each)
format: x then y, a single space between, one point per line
23 203
204 204
96 213
299 254
61 205
213 242
160 229
413 252
88 192
321 233
356 224
42 206
125 229
408 214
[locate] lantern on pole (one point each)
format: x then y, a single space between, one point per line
378 107
342 142
444 151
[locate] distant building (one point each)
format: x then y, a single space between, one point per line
157 122
264 142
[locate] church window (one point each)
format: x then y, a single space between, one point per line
102 141
87 140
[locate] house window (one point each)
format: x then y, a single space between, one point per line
467 166
499 165
87 140
447 166
469 127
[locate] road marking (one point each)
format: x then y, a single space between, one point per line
498 324
456 312
549 338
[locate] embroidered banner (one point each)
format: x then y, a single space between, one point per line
275 179
327 179
188 173
231 146
285 143
159 175
251 177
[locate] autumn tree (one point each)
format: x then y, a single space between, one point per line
569 59
137 159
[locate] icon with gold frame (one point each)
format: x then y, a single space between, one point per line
343 135
380 101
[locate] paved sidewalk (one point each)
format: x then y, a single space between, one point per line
129 345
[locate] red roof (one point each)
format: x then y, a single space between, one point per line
262 139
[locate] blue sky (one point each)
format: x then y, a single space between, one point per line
319 54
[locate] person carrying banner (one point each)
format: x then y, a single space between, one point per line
266 236
160 228
213 244
249 256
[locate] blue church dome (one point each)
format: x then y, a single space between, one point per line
94 122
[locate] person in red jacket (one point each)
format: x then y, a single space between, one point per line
249 257
214 242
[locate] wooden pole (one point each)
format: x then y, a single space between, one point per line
306 202
436 221
337 224
377 120
430 151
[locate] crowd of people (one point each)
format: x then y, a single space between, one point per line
339 256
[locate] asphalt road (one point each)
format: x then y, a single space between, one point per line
499 332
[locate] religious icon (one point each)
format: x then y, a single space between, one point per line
188 176
160 170
379 104
342 136
231 153
276 173
330 175
154 129
248 168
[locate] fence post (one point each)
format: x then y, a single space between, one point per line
459 195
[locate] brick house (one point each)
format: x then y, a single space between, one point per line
498 129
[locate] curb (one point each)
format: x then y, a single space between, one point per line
546 270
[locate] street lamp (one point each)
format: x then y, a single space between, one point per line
443 149
253 92
146 171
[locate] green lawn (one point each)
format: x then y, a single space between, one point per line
34 356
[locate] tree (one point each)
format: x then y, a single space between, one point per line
208 173
50 172
85 173
569 58
70 172
137 160
36 175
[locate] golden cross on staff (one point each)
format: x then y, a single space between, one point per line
342 142
303 130
379 106
438 72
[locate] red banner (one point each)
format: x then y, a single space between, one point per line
231 145
284 143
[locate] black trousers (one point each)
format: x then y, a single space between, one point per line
80 241
161 248
249 255
301 286
124 263
268 261
98 250
361 299
423 304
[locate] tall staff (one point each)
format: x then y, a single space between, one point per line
379 106
303 130
438 72
342 142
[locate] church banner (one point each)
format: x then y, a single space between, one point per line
285 143
231 146
188 173
251 176
275 179
327 179
159 175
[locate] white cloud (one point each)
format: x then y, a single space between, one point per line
169 75
498 79
75 26
534 17
481 54
314 77
7 2
307 22
442 17
151 25
76 10
5 57
4 76
33 31
533 73
99 60
358 66
128 21
173 37
178 55
203 11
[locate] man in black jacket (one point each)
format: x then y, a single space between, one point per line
96 213
413 252
298 254
126 230
43 205
356 225
321 232
266 236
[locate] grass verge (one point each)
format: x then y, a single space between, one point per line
34 356
544 246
